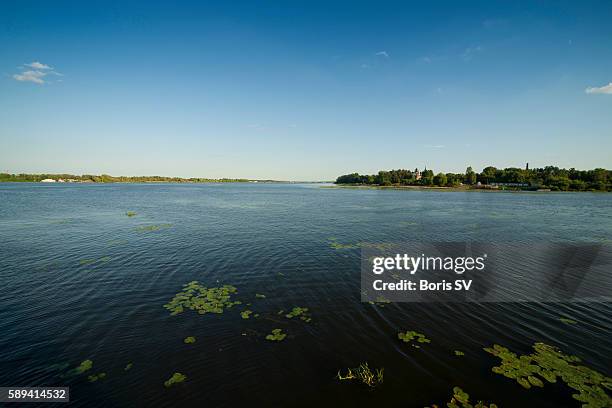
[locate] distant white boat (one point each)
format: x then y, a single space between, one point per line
47 181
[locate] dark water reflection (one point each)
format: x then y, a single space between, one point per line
57 306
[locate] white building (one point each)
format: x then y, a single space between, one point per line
47 181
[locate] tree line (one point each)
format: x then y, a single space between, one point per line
549 177
105 178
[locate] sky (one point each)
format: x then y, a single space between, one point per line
303 90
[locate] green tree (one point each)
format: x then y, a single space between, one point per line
470 176
440 179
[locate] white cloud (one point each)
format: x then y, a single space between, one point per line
38 65
382 54
435 146
606 89
426 60
37 74
31 76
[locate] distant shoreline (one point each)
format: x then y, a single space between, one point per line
105 178
455 189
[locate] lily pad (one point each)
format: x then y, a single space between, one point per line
567 321
246 314
276 335
549 363
260 296
300 312
411 336
175 379
86 365
189 340
130 213
459 353
461 399
128 366
202 299
96 377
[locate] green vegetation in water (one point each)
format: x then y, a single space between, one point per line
175 379
276 335
130 213
155 227
301 312
189 340
548 363
364 374
128 366
246 314
202 299
461 399
90 261
96 377
84 366
459 353
337 245
381 301
411 335
567 321
260 296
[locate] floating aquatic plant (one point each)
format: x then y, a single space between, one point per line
84 366
276 335
260 296
155 227
382 300
96 377
189 340
567 321
548 363
459 353
411 335
202 299
128 366
117 242
301 312
246 314
130 213
364 374
461 399
337 245
90 261
175 379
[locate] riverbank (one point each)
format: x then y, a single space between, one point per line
456 189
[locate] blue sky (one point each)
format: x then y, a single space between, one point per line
303 90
